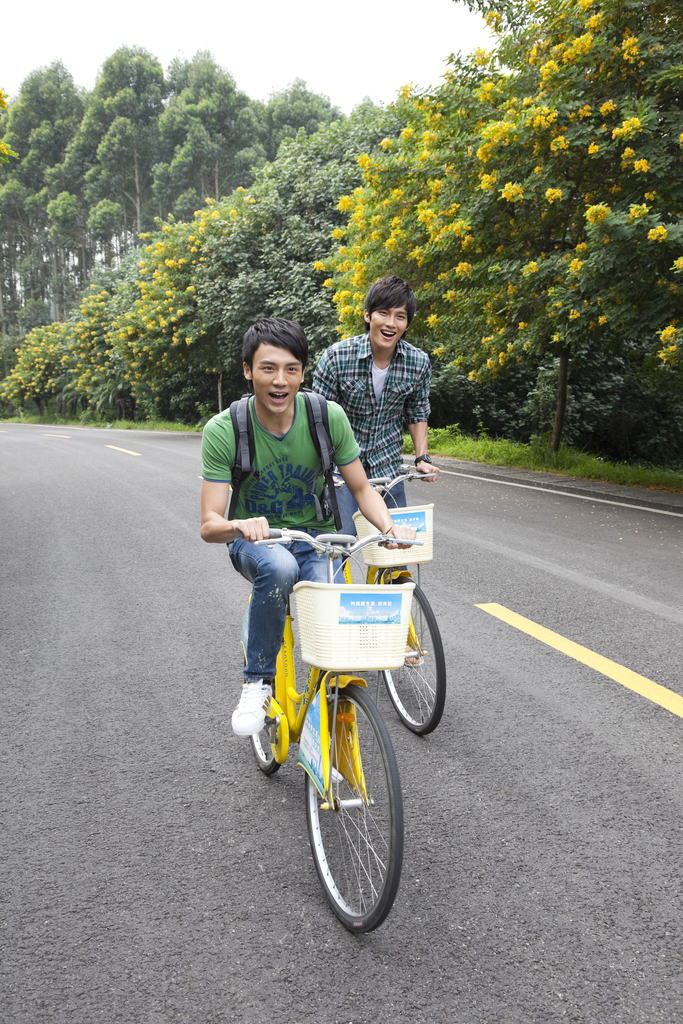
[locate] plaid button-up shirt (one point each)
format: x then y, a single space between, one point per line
344 375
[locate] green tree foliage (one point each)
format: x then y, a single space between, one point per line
167 331
259 253
38 126
210 134
74 361
94 170
116 145
536 201
294 108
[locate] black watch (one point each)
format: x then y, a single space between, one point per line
424 458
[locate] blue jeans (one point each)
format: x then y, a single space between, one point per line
396 498
273 572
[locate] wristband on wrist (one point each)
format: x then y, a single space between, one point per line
424 458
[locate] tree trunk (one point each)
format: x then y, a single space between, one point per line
220 393
561 409
137 195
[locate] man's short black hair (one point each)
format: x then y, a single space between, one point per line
275 330
388 293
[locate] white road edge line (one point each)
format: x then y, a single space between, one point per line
565 494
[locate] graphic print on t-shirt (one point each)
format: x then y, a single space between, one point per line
282 489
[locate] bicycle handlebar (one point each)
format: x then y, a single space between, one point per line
407 473
334 544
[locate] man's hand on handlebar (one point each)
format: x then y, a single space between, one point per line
253 529
400 533
429 468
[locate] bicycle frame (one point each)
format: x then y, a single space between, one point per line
288 707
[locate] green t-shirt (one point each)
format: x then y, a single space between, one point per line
286 466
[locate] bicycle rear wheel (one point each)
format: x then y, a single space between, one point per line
358 844
418 689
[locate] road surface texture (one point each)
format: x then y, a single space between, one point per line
150 874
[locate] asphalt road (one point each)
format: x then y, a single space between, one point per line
150 874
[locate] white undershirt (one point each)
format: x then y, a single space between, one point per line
378 379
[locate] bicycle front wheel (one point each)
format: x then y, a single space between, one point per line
357 842
418 689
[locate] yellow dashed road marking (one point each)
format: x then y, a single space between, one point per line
126 450
645 687
56 435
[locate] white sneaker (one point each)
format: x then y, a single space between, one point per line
249 716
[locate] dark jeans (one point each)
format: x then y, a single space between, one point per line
396 498
273 572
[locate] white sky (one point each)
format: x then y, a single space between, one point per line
346 50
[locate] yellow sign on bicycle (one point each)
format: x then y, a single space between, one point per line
314 755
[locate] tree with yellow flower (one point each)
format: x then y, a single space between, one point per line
535 201
5 151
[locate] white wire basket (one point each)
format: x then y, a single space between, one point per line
344 626
420 517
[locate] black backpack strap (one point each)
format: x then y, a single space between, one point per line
244 449
319 427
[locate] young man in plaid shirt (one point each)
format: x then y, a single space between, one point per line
381 382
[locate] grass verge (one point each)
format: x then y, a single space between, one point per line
452 442
65 421
568 461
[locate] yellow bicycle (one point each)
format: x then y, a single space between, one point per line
354 806
417 688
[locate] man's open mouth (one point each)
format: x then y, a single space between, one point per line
278 396
388 334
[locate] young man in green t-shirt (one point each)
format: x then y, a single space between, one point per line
275 354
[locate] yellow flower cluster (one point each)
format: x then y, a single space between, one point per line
561 142
657 234
641 166
553 195
637 211
628 128
629 49
512 192
547 71
579 48
541 117
596 214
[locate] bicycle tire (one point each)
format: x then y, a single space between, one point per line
358 850
418 692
